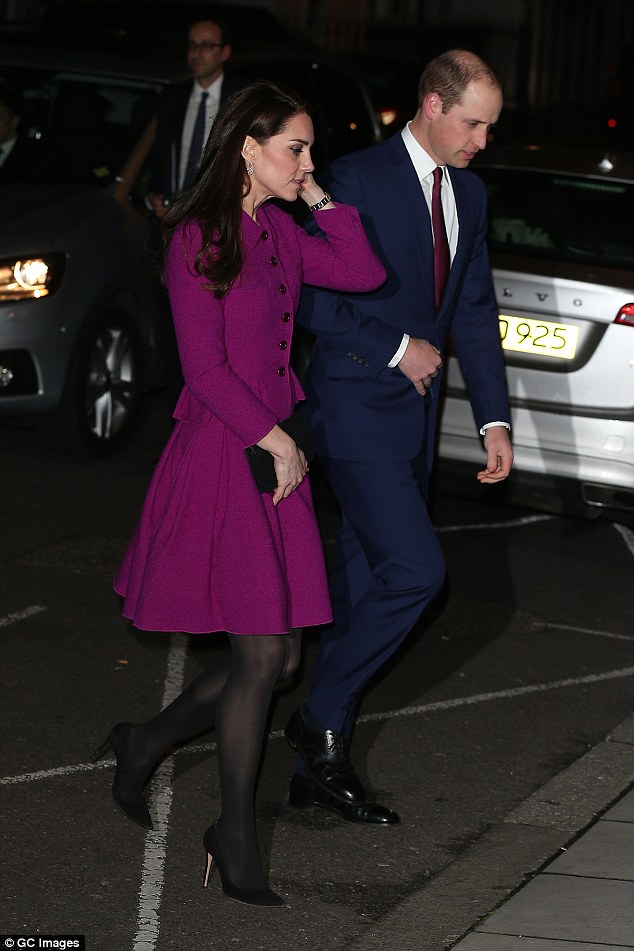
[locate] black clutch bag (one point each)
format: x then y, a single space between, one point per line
261 461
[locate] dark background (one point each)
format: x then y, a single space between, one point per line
566 65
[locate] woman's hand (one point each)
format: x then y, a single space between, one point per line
288 459
312 193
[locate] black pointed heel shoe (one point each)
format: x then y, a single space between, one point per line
263 897
128 783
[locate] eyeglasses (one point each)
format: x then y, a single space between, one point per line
205 46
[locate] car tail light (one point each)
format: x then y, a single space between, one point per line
626 315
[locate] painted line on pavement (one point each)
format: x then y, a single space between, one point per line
365 718
627 535
510 523
498 695
549 626
153 872
21 615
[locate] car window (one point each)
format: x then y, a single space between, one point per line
343 117
77 128
348 115
298 76
562 217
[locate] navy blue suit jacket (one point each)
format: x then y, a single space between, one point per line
360 408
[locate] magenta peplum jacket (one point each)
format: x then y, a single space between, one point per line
210 553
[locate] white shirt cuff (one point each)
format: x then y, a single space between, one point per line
497 423
398 356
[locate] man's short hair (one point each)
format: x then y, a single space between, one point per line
212 17
449 75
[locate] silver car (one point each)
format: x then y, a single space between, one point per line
82 311
562 250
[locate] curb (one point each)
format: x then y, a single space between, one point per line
437 915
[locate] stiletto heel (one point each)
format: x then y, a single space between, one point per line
263 897
127 788
208 868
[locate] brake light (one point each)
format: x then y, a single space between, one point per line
626 315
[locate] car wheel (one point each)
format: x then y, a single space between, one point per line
105 386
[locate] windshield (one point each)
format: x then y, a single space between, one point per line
560 216
73 128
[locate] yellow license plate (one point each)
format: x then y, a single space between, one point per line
538 337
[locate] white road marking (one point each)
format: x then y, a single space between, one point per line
548 626
21 615
153 872
628 536
365 718
499 695
481 526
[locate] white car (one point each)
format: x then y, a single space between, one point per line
562 251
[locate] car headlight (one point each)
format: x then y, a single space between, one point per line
29 278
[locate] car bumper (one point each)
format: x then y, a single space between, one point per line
562 463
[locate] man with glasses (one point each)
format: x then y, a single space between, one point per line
187 111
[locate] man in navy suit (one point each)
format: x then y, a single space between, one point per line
174 165
373 388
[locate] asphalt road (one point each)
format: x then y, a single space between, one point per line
525 663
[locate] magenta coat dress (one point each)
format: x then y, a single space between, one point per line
210 553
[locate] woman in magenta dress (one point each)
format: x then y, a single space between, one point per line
210 552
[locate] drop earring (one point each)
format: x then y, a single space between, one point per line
249 168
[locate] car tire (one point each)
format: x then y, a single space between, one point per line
104 387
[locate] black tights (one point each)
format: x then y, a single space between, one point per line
236 695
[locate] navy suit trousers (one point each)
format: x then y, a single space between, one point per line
388 568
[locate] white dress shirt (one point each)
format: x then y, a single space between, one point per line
213 104
424 165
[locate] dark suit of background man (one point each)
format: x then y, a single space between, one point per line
373 388
208 49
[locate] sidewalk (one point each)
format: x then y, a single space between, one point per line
565 856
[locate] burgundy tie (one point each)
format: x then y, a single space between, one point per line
441 245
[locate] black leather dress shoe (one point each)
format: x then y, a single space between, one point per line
304 794
326 761
331 782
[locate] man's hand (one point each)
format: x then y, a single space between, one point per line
420 363
497 443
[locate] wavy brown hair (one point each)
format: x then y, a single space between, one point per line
262 109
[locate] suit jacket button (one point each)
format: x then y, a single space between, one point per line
283 344
282 288
286 317
273 260
265 235
281 371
